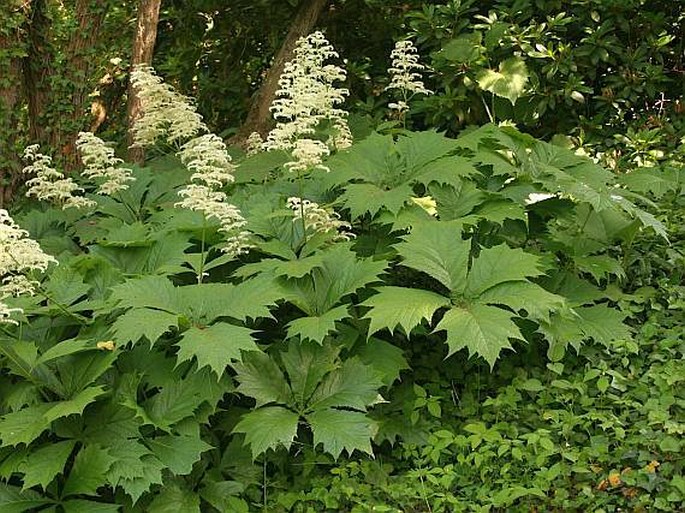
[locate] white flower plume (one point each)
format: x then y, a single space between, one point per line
166 114
18 255
100 162
206 155
404 74
307 97
318 219
48 184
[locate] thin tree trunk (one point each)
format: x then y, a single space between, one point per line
37 72
12 45
143 49
259 116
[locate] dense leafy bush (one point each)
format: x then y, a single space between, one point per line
208 326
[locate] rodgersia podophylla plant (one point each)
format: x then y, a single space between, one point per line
100 163
166 114
19 255
317 219
307 97
48 184
405 76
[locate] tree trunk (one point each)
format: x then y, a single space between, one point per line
259 116
12 48
143 49
58 108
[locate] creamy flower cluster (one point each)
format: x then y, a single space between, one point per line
206 156
100 162
254 144
308 96
18 256
166 114
318 219
48 184
404 74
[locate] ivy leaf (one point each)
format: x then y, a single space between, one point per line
315 328
339 430
483 330
74 405
178 453
172 499
508 82
143 322
14 500
267 428
500 264
24 426
404 307
353 385
88 473
215 346
260 377
43 464
306 364
437 249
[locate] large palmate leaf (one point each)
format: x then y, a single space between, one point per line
484 293
316 328
354 385
216 345
339 430
404 307
497 265
306 365
14 500
260 378
267 428
43 464
173 499
383 172
24 426
340 273
438 250
88 473
178 453
483 330
318 386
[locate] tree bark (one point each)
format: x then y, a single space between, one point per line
143 50
259 116
12 49
58 109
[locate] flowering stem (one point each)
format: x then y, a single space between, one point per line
304 224
202 251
